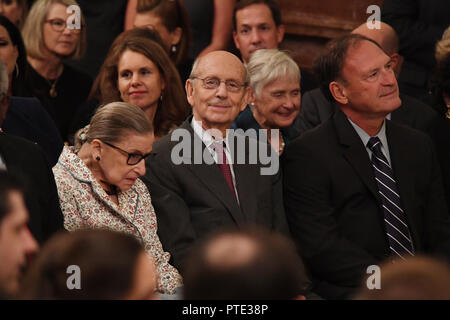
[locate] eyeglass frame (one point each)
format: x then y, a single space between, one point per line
130 155
240 85
75 30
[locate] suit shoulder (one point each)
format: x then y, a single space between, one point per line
318 136
20 144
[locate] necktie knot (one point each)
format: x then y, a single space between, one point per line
374 144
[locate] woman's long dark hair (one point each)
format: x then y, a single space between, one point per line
20 71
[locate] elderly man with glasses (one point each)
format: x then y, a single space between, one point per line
200 175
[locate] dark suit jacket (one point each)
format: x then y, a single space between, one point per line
333 207
419 25
192 200
27 118
316 109
413 113
29 161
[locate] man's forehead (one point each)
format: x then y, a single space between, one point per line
365 55
254 14
221 66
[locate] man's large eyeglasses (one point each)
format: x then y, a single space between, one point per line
60 25
214 83
133 158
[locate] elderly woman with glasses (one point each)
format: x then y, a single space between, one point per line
99 186
274 79
54 32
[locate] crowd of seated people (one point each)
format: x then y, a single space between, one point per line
149 178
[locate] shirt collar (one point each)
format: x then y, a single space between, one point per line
204 135
365 137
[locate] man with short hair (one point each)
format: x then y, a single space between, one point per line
317 108
257 24
360 189
16 241
249 264
194 196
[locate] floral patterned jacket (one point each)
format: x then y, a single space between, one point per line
85 204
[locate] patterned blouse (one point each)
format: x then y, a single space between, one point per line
85 204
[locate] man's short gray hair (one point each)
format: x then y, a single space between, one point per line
268 65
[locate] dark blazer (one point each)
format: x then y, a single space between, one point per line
192 200
333 207
316 109
419 25
29 161
27 118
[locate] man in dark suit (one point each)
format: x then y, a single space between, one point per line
316 108
194 196
29 161
360 189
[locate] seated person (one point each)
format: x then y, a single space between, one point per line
109 265
360 189
419 278
30 161
247 264
99 186
170 19
25 117
16 241
137 70
193 195
274 80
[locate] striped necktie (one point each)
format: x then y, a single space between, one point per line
397 229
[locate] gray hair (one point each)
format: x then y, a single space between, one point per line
4 81
267 65
111 121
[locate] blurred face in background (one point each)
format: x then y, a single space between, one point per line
12 10
152 21
8 52
16 242
58 39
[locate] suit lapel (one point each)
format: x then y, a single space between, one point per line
355 152
245 174
402 173
211 176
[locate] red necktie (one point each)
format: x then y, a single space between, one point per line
224 166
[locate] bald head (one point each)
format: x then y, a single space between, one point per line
222 58
231 251
385 36
245 264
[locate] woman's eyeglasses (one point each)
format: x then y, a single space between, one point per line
133 158
60 25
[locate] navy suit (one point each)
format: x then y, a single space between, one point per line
333 206
27 118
